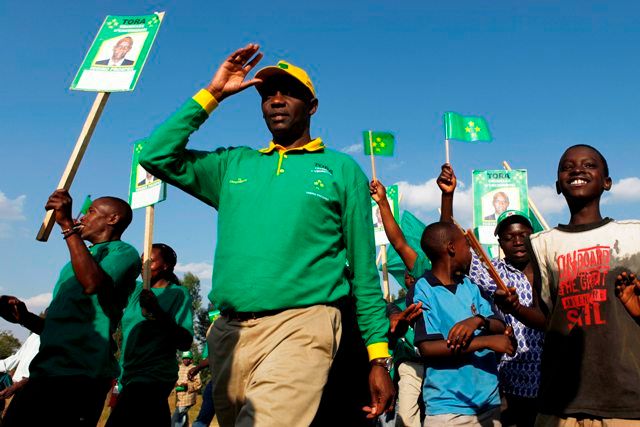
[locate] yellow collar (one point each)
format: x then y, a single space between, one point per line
313 145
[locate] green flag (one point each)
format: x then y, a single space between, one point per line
466 128
535 222
412 229
383 143
85 205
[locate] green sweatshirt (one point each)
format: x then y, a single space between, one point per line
288 221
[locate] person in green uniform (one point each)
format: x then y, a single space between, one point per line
290 217
157 322
72 372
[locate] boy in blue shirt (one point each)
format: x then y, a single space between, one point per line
459 337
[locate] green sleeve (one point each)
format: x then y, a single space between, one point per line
198 173
361 255
184 314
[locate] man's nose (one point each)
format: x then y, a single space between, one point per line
277 98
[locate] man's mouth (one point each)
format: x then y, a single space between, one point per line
277 117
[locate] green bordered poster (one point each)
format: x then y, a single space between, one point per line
118 53
378 227
144 188
495 191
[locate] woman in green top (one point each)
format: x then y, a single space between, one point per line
155 324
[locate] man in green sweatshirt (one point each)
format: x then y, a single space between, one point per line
291 217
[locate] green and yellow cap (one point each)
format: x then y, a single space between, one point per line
287 69
517 216
186 355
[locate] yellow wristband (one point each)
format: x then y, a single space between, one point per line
378 350
206 100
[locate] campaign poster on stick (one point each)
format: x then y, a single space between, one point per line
144 188
495 191
378 228
118 53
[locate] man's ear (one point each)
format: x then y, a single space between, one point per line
558 187
451 249
607 184
313 106
113 219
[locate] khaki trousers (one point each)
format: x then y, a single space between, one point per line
543 420
409 391
271 371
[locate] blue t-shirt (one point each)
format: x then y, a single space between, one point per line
467 384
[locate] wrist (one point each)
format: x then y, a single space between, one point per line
483 322
382 362
66 224
383 201
483 341
215 92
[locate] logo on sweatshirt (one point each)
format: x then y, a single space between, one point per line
319 187
237 181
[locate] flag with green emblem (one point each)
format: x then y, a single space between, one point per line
466 128
381 142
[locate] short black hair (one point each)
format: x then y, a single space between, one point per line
434 238
594 149
122 209
171 259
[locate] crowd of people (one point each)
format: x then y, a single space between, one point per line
305 336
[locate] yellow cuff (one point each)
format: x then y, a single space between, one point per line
378 350
206 100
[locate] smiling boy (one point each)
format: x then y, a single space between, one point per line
590 370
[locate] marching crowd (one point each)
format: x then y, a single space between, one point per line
305 337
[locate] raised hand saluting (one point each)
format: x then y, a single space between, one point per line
230 77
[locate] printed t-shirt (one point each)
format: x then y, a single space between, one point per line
590 362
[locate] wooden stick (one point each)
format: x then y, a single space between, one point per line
477 248
532 205
148 245
76 157
373 162
446 151
385 274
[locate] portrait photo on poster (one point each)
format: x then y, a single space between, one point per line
121 51
501 199
143 178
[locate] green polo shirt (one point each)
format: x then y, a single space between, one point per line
288 221
148 353
76 339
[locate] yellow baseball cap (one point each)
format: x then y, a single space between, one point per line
285 68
